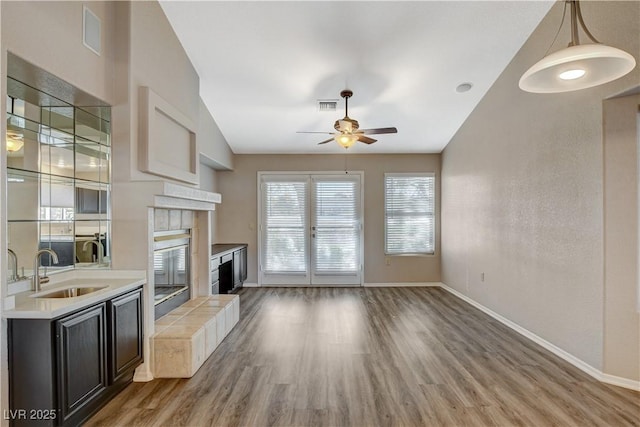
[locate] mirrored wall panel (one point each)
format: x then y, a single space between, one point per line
58 181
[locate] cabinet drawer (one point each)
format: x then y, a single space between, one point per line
215 262
226 258
215 275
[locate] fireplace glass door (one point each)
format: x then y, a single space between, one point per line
171 272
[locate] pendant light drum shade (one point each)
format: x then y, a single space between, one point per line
594 64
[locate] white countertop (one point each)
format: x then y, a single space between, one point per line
114 281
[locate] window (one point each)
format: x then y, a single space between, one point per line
409 219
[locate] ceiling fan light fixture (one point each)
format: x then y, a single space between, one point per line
346 140
577 66
348 129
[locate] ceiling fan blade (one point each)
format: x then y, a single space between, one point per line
366 139
377 131
327 133
324 142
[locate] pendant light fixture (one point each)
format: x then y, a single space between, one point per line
578 66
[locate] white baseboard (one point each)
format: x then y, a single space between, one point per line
402 285
619 381
366 285
578 363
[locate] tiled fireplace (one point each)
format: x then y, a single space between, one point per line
171 224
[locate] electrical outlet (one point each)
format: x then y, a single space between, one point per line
387 261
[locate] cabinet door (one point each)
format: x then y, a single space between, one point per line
237 278
243 265
126 321
81 365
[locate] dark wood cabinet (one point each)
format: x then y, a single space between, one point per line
82 360
229 267
67 368
237 273
90 201
243 264
126 334
63 249
239 267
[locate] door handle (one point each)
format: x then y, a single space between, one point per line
313 234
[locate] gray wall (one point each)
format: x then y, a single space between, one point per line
522 196
214 150
238 216
49 35
208 182
621 320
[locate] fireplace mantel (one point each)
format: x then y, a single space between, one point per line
176 196
167 195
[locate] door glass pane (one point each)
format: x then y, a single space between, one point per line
337 225
284 227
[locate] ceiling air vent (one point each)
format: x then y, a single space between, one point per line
327 105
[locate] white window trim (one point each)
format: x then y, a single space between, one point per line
435 214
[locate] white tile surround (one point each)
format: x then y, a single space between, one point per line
187 336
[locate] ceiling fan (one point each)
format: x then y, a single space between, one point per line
348 131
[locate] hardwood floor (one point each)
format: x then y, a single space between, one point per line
369 357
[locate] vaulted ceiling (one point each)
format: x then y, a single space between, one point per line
263 66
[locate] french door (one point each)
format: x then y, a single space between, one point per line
310 229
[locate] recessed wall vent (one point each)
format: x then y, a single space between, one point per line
91 30
325 105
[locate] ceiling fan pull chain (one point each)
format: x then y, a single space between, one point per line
346 158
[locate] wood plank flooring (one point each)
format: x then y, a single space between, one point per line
373 357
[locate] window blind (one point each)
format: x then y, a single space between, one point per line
158 262
161 260
409 214
285 227
337 225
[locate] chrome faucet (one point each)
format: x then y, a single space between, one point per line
100 249
14 258
36 266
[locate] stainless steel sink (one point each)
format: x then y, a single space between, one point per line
70 292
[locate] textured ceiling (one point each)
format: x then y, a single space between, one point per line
263 65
